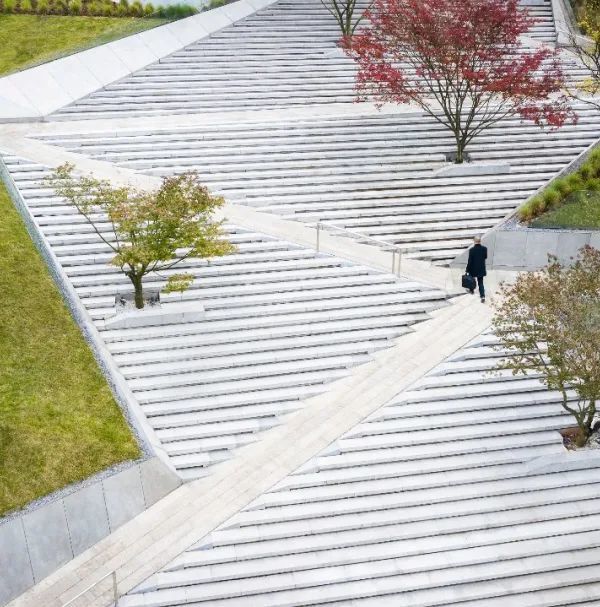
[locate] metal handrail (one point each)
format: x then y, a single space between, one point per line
395 249
112 574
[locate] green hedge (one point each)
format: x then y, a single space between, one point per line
587 177
95 8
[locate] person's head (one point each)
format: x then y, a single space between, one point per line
477 240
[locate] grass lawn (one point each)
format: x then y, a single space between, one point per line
580 210
27 40
58 420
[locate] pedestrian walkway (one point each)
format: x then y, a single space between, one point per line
183 518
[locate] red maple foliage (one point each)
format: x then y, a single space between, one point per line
462 61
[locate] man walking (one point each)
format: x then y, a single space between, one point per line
476 265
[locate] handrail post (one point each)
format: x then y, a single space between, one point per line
399 261
393 261
115 589
318 236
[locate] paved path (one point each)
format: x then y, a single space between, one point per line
147 543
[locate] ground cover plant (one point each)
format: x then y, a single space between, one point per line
572 199
549 321
58 420
579 211
463 63
22 46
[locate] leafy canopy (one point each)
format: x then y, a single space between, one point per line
148 231
550 323
463 62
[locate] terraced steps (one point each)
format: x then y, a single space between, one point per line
282 56
375 175
425 503
281 322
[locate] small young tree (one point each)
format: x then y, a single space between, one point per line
462 62
343 12
148 231
549 321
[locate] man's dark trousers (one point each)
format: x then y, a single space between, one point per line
480 285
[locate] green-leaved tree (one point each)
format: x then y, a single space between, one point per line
148 231
549 321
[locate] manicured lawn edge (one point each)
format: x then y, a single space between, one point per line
131 435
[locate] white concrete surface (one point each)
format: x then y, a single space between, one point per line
68 79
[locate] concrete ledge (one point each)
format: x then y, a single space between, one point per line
528 249
68 79
166 314
474 168
563 461
38 541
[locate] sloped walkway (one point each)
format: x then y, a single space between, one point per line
430 501
381 176
153 539
280 322
284 55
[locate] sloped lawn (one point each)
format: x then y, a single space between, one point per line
28 40
58 420
579 211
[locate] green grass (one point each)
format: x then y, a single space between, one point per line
579 211
58 420
28 40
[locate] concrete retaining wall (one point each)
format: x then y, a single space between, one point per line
65 80
41 539
528 249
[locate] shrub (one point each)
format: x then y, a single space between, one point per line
26 6
136 9
43 7
551 197
178 11
75 7
96 9
148 10
10 6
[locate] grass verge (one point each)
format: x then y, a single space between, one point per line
579 211
28 40
58 420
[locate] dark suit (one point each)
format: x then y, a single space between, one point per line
476 265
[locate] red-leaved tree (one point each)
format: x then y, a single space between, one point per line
462 61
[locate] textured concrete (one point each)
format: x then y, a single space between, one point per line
87 518
157 481
124 496
35 543
15 567
47 538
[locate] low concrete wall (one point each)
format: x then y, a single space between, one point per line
36 542
528 249
39 91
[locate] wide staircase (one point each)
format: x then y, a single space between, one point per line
428 502
282 56
381 176
282 321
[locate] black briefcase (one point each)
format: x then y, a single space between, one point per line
468 282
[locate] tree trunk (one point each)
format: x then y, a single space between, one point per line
139 291
460 151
